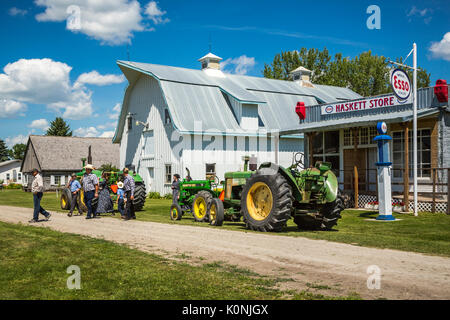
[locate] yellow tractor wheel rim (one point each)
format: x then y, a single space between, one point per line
82 197
63 201
213 212
174 213
200 208
259 201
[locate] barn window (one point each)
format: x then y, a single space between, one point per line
210 171
167 119
19 176
7 177
168 173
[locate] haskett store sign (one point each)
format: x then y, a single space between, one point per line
364 104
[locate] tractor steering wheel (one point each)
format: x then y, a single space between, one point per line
216 182
299 158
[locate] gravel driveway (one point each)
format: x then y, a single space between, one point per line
319 266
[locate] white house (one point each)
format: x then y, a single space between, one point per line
10 172
206 120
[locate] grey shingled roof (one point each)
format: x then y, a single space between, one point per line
65 153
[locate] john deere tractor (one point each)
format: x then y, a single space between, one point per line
112 179
199 197
266 198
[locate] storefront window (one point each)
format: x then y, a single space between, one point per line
423 153
329 139
365 136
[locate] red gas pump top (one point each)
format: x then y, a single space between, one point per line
441 90
300 110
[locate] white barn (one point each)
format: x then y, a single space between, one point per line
206 120
10 172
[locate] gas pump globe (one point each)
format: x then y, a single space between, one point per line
384 173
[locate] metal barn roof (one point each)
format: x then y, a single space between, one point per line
194 95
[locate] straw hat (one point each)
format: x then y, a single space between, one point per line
89 166
120 184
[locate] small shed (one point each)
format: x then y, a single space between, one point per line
57 157
10 172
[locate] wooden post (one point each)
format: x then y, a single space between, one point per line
406 169
433 205
355 168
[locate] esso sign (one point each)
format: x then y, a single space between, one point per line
400 84
382 127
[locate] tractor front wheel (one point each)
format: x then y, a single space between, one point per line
200 205
66 199
216 212
175 212
266 201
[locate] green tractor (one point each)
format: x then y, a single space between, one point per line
199 197
268 197
112 179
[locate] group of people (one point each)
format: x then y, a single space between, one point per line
91 188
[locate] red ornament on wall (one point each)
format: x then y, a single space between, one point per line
441 90
300 110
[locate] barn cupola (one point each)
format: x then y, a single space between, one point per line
302 76
210 61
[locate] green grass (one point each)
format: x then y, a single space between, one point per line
428 233
34 263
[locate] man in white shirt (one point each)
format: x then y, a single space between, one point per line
37 188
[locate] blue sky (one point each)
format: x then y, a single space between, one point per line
49 70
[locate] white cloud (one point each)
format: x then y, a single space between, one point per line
155 13
11 141
96 78
107 125
41 124
107 134
441 49
240 65
423 13
115 115
17 12
86 132
11 108
112 22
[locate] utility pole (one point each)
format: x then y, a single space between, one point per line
415 125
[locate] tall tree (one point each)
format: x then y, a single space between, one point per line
18 151
4 154
366 74
59 127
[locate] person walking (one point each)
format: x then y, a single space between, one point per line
37 188
75 188
128 187
90 189
120 199
175 188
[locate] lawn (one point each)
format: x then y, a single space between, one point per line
428 233
35 260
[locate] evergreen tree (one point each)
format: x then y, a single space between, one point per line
59 127
4 154
18 151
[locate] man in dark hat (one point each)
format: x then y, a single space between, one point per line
128 187
37 188
175 188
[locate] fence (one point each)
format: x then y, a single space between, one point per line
433 187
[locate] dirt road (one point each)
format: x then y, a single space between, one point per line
320 266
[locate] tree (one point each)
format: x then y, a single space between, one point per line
4 154
59 127
18 151
366 74
108 167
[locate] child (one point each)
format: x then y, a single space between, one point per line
120 199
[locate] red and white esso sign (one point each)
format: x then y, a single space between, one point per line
400 84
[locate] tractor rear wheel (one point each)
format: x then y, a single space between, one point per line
200 205
66 199
175 212
139 197
216 212
266 201
328 217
